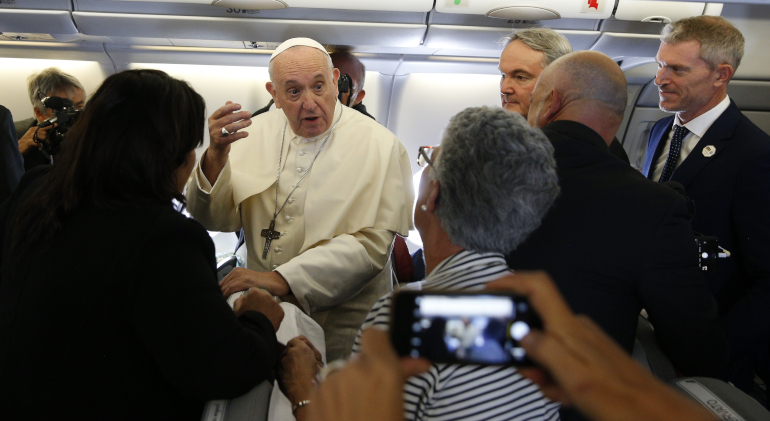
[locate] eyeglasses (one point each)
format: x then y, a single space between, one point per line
424 155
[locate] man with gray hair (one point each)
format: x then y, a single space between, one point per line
614 242
319 189
723 161
527 52
496 179
49 82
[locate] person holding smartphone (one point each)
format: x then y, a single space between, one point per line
482 192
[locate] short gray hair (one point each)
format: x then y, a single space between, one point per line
545 40
497 179
328 62
49 81
720 41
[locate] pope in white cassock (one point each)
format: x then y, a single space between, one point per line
319 189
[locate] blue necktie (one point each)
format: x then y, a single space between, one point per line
673 153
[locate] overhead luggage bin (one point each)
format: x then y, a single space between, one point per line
55 22
530 9
234 29
449 36
663 12
422 6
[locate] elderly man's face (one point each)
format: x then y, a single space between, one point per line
520 66
305 89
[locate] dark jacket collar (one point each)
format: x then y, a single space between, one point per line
577 131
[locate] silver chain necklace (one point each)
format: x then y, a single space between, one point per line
270 233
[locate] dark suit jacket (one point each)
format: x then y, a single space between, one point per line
125 326
616 243
731 191
11 163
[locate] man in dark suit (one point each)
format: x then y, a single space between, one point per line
11 164
723 161
614 242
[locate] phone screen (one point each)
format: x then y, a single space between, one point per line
467 328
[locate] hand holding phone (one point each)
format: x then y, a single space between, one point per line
462 327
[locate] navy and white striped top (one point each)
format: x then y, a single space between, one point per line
465 392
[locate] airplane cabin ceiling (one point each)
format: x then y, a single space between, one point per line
414 30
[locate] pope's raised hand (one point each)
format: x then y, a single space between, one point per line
223 131
232 120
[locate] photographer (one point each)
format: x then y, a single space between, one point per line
48 83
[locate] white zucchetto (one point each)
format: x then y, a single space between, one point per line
296 42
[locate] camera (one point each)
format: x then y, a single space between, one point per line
64 116
344 85
460 327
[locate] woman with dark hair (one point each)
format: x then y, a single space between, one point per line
109 304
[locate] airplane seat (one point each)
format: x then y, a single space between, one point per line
726 401
253 406
648 353
749 95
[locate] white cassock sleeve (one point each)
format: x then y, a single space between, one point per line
213 207
335 270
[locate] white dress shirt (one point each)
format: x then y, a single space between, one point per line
697 127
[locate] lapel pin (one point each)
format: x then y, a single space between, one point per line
709 151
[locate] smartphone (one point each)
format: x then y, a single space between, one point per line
459 327
226 266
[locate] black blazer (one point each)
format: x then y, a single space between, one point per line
731 191
616 243
11 163
126 326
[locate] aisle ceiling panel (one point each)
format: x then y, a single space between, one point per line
230 29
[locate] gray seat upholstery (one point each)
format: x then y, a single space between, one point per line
648 353
726 401
253 406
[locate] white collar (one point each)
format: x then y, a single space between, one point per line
301 139
700 125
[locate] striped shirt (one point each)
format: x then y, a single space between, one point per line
458 391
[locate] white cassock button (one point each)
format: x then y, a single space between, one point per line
278 249
299 169
291 201
288 218
302 153
275 267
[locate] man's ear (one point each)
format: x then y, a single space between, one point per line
724 73
555 105
432 200
271 90
360 97
335 80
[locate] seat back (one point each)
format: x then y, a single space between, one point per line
648 353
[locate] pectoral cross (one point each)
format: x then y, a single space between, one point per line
270 234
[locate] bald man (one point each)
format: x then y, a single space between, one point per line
615 242
319 189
